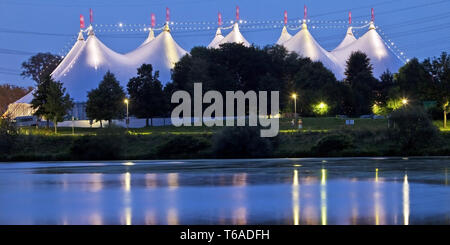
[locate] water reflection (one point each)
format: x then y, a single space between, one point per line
323 197
378 202
172 181
296 198
172 216
280 194
151 181
405 200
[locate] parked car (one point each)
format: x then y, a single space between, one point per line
29 121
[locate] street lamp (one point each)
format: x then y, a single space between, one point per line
128 119
404 101
294 96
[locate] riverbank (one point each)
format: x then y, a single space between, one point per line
201 143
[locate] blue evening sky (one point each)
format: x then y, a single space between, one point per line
419 28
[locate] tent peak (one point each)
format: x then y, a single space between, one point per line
91 31
166 27
218 32
80 36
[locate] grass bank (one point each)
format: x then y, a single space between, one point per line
320 137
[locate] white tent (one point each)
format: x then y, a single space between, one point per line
284 36
371 43
68 59
151 37
304 44
235 36
162 53
217 38
348 39
22 107
89 67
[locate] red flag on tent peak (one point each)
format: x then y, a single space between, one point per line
305 12
91 16
373 15
153 20
350 17
285 17
237 13
81 21
220 19
167 14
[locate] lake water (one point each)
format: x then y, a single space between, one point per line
276 191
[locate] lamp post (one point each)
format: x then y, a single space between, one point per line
128 119
294 96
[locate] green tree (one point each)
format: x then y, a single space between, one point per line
414 82
40 97
40 66
146 94
106 101
359 76
439 68
58 103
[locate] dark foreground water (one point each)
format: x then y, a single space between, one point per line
281 191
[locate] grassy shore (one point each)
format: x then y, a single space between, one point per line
368 138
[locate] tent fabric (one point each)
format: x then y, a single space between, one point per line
235 36
284 36
217 38
348 40
88 68
151 37
371 43
304 44
67 61
163 52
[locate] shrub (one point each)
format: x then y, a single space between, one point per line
332 144
235 142
8 134
182 145
412 129
97 147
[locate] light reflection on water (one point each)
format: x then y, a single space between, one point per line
315 192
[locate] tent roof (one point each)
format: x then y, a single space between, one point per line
284 36
162 53
68 59
151 37
217 38
235 36
304 44
90 65
348 39
371 43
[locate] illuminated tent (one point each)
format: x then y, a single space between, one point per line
151 37
22 107
89 67
217 38
284 36
349 39
69 58
235 36
304 44
162 53
371 43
